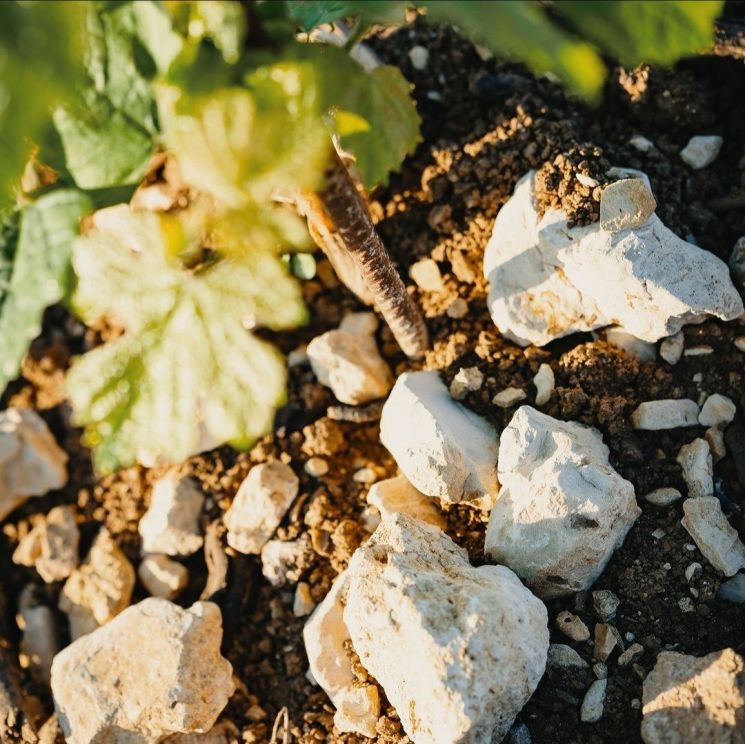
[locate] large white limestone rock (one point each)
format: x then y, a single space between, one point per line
689 699
31 463
99 589
444 449
326 639
549 280
562 510
171 524
457 649
154 670
259 506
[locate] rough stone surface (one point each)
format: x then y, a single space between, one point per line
259 506
715 537
701 151
444 449
625 204
572 626
171 524
669 413
689 699
562 510
548 280
154 670
718 410
162 577
348 362
31 463
280 560
99 589
663 496
698 470
605 603
544 382
594 701
671 348
415 602
326 638
52 545
466 380
397 495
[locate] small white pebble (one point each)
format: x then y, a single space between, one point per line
697 378
693 570
544 382
365 475
640 143
690 547
663 496
701 151
588 181
740 343
316 467
426 274
685 604
303 603
698 471
658 534
636 703
508 397
717 409
572 626
467 380
419 57
671 348
592 705
457 309
434 95
698 351
667 566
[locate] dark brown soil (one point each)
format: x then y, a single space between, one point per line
484 124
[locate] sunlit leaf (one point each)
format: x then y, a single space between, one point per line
309 14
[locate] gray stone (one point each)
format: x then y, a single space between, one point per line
594 701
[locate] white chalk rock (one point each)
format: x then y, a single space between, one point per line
154 670
544 382
52 545
466 380
280 560
398 496
701 151
714 536
663 496
594 700
718 410
326 637
419 56
477 637
671 348
689 699
625 204
99 589
549 280
426 274
640 143
698 470
444 449
163 577
509 397
669 413
347 361
562 510
259 506
31 463
171 524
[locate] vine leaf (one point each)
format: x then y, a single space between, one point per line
186 375
308 14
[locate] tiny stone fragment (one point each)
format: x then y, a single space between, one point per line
457 309
714 536
544 382
426 274
572 626
605 641
419 56
303 603
316 467
714 436
281 560
663 496
605 603
641 143
631 654
467 380
655 415
698 471
162 576
717 410
671 348
508 397
701 151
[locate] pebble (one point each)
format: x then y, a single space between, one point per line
717 540
365 475
698 351
280 559
693 570
669 413
701 151
397 495
154 670
426 275
605 603
658 534
31 462
457 309
162 576
466 380
51 546
714 437
259 506
508 397
698 470
316 467
562 510
419 56
572 626
740 343
303 603
733 590
171 523
671 348
600 670
686 698
737 261
605 641
663 496
717 410
99 589
451 621
454 453
544 384
561 655
592 705
348 362
626 204
631 654
686 605
644 351
640 143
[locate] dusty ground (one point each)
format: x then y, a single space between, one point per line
484 125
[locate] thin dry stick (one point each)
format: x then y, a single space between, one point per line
284 717
350 216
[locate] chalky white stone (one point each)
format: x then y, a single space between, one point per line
444 449
154 670
718 410
625 204
563 510
509 397
663 496
669 413
476 637
426 274
466 380
544 382
162 576
698 470
548 280
262 501
701 151
714 536
671 348
31 462
397 495
594 701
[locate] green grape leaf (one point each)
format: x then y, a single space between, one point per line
40 271
520 30
186 375
224 21
308 14
637 31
